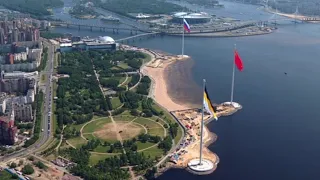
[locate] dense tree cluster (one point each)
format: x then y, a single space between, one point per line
147 107
110 168
174 129
37 125
149 138
69 133
130 99
134 80
80 10
34 7
166 144
144 85
79 95
27 169
125 7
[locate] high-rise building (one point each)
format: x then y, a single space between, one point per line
15 33
23 112
36 35
2 36
8 131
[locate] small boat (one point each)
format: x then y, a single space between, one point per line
110 19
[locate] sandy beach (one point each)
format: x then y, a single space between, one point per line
171 81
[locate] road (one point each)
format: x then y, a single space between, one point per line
45 125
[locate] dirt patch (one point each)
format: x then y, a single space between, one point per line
126 131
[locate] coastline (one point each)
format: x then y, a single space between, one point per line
165 71
291 16
249 31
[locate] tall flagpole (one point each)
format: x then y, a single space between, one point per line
182 37
233 70
201 133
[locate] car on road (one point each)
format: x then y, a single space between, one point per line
42 130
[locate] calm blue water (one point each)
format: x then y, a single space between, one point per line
277 133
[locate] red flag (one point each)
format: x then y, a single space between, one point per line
238 61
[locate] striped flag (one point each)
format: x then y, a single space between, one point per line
208 105
186 25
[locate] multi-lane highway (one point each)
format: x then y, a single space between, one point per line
46 117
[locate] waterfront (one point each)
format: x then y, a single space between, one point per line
276 134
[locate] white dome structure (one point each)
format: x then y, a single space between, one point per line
106 39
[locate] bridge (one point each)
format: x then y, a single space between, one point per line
138 36
132 29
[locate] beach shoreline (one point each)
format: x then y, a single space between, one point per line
173 88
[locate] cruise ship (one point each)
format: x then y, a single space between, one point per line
109 19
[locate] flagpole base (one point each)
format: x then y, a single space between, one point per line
183 57
234 104
206 166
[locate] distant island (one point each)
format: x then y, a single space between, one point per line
126 8
212 3
36 8
84 11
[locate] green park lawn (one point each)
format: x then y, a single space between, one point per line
153 152
102 149
89 136
147 58
5 175
95 158
115 101
142 146
159 131
95 125
77 142
147 123
123 118
123 65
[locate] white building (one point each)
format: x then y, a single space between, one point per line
20 56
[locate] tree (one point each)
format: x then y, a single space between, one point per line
31 158
13 165
14 176
40 165
20 162
134 112
27 169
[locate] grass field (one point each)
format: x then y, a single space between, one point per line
102 149
77 142
147 123
76 126
95 158
123 118
144 145
153 152
123 65
95 125
5 175
115 101
167 117
89 136
115 68
147 58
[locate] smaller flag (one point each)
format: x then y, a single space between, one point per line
208 105
186 25
238 61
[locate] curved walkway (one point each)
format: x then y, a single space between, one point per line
124 80
81 134
136 83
